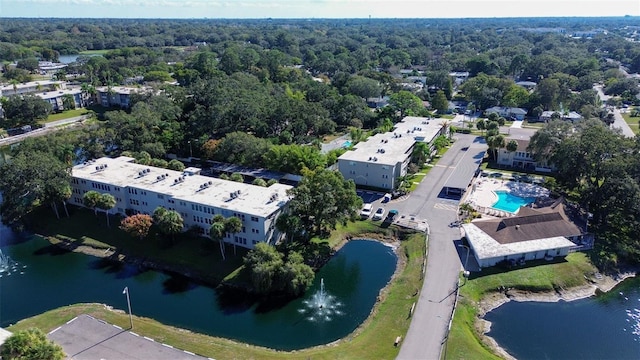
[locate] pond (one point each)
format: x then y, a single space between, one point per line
44 277
606 326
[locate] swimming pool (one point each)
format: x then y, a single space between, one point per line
347 144
511 203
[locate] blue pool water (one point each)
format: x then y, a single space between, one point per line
511 203
347 144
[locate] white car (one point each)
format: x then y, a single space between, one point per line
366 211
379 214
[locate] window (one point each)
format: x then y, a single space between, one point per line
160 196
254 219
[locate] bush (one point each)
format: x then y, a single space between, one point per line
31 344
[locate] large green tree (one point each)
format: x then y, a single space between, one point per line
31 180
24 110
322 199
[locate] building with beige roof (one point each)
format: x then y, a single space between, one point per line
141 189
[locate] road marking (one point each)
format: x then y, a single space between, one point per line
150 339
448 207
54 330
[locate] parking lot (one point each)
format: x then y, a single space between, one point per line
369 197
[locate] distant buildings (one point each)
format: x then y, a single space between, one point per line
32 87
382 158
508 112
570 116
55 98
119 96
141 189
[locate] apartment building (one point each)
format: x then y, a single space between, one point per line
32 87
55 98
116 96
380 160
141 189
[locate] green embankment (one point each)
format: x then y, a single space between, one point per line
464 339
374 339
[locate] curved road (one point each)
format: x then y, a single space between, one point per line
430 322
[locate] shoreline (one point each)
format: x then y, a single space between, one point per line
389 241
496 299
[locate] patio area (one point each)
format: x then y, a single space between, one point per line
482 196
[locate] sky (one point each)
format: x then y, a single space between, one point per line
316 8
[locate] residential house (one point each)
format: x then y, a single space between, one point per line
569 116
544 233
380 160
529 85
508 112
378 102
141 189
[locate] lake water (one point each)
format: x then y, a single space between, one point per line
606 326
46 277
68 59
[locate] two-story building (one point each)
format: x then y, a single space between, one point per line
380 160
521 158
55 98
141 189
119 96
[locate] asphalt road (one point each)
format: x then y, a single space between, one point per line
48 128
430 322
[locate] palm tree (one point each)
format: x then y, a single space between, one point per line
496 142
106 203
216 233
219 232
90 199
233 225
171 223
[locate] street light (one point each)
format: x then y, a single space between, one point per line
190 150
465 272
126 291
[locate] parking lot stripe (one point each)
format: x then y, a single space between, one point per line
72 320
132 333
54 330
148 338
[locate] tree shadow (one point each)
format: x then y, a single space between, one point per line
177 284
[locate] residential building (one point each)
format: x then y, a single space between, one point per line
508 112
544 233
377 102
529 85
521 158
119 96
32 87
380 160
55 98
569 116
141 189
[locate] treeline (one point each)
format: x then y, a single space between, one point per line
600 169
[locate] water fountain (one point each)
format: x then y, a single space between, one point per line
8 266
321 306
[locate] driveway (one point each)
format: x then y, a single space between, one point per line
431 317
621 124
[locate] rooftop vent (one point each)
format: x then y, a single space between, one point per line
375 159
210 183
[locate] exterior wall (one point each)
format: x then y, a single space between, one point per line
488 262
115 99
518 159
255 229
381 176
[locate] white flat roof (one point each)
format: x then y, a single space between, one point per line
31 84
58 93
485 247
394 146
121 89
121 172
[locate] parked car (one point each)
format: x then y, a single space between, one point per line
379 214
366 211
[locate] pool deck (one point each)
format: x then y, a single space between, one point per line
483 194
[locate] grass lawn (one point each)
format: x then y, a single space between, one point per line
84 228
66 114
633 122
463 342
95 52
373 340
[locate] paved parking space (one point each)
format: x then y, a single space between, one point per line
369 197
85 337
